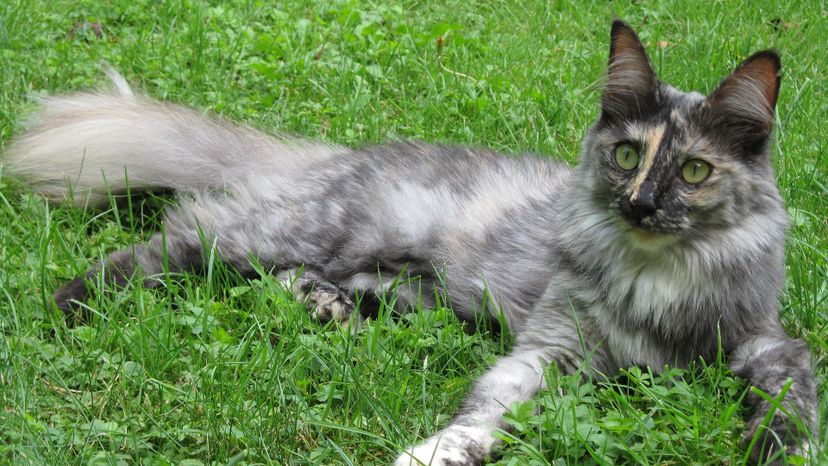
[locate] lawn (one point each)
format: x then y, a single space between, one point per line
221 369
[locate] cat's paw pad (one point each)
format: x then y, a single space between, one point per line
326 305
447 449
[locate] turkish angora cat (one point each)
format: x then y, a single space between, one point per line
665 240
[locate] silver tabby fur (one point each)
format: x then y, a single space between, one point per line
558 249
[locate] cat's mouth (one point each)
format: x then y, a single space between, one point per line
652 225
649 239
651 232
640 234
646 233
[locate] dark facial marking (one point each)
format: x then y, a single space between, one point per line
644 204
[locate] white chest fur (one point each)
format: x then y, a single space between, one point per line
642 300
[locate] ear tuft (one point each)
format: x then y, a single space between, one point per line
747 98
631 82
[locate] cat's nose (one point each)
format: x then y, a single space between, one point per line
643 202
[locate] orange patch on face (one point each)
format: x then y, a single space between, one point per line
651 138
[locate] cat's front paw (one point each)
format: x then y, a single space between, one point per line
452 447
775 441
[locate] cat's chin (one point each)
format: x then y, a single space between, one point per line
648 240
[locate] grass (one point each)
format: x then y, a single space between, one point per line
222 369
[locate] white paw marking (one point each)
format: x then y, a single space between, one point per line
457 445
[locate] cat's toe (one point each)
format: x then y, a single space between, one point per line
452 447
427 455
329 305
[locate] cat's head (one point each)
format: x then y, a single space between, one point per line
669 164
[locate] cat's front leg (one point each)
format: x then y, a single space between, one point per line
768 362
468 439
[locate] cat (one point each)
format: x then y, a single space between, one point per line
664 245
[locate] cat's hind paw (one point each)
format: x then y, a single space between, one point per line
326 305
325 300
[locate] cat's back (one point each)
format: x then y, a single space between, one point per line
464 171
469 189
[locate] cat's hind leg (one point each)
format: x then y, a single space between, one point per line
189 240
178 252
186 253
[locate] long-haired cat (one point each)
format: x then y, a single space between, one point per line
664 245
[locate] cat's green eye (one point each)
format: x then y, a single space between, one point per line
626 156
695 171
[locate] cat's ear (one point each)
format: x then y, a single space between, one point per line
632 87
743 104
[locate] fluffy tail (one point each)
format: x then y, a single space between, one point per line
90 144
